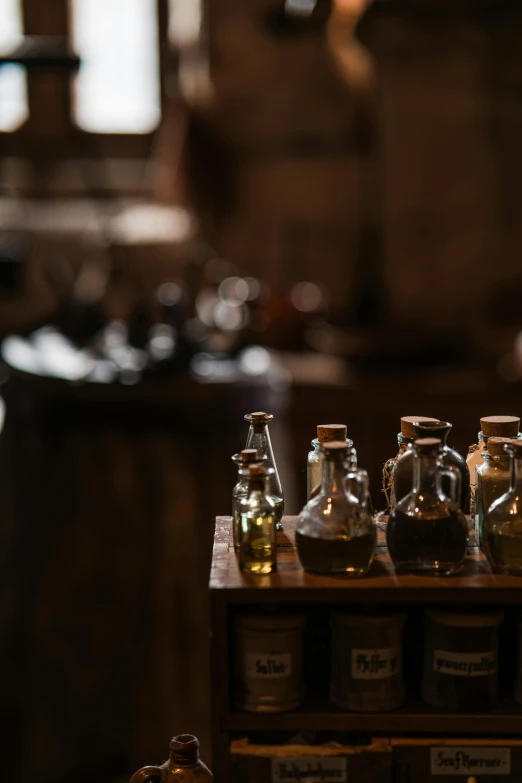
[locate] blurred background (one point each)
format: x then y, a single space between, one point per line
310 207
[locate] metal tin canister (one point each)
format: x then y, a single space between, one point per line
461 660
367 661
269 662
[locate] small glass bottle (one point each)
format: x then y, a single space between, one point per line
242 460
502 526
490 426
335 531
493 479
183 764
325 434
404 438
259 438
427 532
257 536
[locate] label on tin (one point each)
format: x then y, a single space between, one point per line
376 664
481 664
309 769
262 666
470 761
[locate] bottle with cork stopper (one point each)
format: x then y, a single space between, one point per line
259 439
257 530
404 438
490 427
427 532
335 532
493 478
183 764
325 433
502 526
243 459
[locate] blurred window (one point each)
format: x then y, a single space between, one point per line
13 83
117 88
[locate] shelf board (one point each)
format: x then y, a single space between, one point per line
412 718
476 584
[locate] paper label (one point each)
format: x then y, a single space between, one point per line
309 770
481 664
376 664
470 761
262 666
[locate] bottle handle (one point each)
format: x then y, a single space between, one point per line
146 774
360 477
455 483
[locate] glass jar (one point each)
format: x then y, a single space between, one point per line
269 662
493 477
404 438
242 460
367 661
502 526
335 531
490 426
325 433
427 532
461 660
259 438
449 458
257 532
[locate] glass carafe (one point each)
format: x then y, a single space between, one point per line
259 438
427 532
502 527
335 531
404 439
245 458
493 480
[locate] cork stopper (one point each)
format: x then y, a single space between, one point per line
247 456
500 426
330 432
257 471
428 447
496 446
407 422
258 417
336 449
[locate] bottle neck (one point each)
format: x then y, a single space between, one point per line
184 752
333 477
424 474
257 484
516 475
259 438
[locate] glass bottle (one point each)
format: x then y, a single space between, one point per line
183 764
490 426
257 535
325 434
427 532
404 438
242 460
493 479
335 531
259 438
502 526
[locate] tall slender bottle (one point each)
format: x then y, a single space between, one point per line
242 460
259 438
183 764
257 536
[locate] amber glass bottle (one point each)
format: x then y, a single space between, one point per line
183 764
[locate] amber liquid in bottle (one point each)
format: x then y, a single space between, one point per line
429 545
349 556
257 552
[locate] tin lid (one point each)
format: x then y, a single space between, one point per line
459 620
270 622
407 422
496 446
502 426
329 432
354 619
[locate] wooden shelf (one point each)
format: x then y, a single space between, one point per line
476 584
412 718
